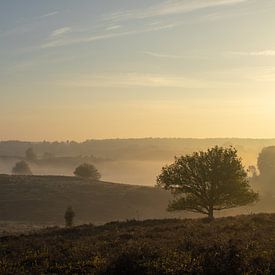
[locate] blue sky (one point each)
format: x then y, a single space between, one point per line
101 69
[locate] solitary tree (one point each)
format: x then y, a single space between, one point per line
87 171
266 160
205 182
30 154
21 168
69 217
266 166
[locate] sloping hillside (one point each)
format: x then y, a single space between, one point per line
44 199
239 245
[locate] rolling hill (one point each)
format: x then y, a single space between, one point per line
28 202
44 199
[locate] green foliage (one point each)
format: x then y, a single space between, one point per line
21 168
205 182
87 171
69 217
239 245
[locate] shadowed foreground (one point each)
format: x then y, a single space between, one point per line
232 245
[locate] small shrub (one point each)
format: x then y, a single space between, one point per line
21 168
69 217
87 171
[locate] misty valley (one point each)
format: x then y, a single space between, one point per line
137 137
46 186
130 161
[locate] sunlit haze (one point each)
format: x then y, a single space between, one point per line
106 69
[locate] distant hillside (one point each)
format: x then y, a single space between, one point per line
135 161
239 245
44 199
134 149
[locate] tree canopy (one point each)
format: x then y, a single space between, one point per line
266 166
209 181
21 168
88 171
266 160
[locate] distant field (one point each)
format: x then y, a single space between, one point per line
233 245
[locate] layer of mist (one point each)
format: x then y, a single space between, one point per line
131 161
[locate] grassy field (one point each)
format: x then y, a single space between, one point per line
232 245
44 199
28 202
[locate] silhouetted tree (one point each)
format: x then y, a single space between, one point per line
205 182
266 166
87 171
21 168
266 161
30 154
69 217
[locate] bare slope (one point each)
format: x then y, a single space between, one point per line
44 199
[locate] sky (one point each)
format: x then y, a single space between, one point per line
92 69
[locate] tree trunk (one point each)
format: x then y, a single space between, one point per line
211 213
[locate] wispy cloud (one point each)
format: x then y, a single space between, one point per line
49 14
132 80
26 27
114 27
244 76
161 55
60 32
173 56
266 74
102 36
32 64
170 7
264 53
18 30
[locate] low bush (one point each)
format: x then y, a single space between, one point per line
239 245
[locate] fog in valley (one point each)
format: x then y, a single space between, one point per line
130 161
128 168
137 137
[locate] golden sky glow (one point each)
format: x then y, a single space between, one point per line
95 69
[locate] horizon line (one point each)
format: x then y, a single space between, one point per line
137 138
